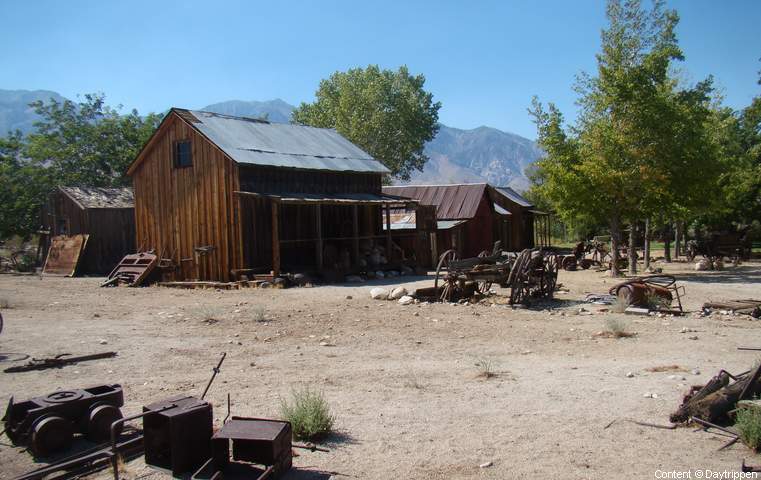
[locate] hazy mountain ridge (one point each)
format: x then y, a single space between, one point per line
482 154
15 112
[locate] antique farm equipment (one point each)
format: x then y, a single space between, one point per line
578 256
651 291
255 441
534 273
531 273
178 430
735 246
47 424
55 362
133 270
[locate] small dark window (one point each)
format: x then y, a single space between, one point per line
183 154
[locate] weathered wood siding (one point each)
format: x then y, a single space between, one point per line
289 180
180 209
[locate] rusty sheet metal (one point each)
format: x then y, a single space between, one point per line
453 202
63 255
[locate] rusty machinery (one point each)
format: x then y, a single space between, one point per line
48 424
649 291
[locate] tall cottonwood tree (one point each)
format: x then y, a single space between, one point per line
387 113
639 146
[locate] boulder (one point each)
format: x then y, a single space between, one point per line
378 293
397 293
406 300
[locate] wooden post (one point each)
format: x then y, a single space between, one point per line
355 233
647 244
275 238
318 226
388 233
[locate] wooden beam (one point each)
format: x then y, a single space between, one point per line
388 233
275 238
318 227
355 233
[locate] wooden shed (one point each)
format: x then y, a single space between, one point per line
106 215
220 195
472 216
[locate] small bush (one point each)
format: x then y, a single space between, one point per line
260 314
412 381
208 314
616 327
5 303
749 425
485 368
654 301
619 305
309 414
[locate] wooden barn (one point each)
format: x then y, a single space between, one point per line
221 196
106 215
472 216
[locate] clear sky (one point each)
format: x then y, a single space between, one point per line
482 59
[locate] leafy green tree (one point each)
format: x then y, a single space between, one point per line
388 114
640 146
76 144
87 143
23 188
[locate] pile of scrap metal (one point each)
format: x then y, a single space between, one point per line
578 256
177 435
715 405
529 274
654 292
133 270
732 307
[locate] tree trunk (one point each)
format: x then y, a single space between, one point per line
678 240
615 237
632 249
667 243
647 245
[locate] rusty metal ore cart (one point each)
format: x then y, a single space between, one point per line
529 274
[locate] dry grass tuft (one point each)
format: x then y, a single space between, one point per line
616 328
485 368
666 368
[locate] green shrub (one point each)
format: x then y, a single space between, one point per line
309 414
749 425
654 301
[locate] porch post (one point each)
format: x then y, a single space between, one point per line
318 224
275 238
355 233
388 233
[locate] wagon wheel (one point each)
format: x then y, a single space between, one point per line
550 275
483 287
448 289
445 260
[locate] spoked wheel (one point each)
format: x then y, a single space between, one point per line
445 260
483 287
518 293
550 275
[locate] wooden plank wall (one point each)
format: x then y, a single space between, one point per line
180 209
112 236
263 179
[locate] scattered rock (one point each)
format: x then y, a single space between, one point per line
416 314
378 293
486 465
349 297
103 341
398 293
696 371
300 279
265 285
693 337
629 374
406 300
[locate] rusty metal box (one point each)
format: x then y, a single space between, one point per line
262 441
178 439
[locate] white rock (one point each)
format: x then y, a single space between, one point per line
486 465
397 293
103 341
696 371
629 374
406 300
378 293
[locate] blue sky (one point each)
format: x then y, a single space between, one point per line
482 60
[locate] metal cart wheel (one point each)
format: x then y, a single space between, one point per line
51 434
99 422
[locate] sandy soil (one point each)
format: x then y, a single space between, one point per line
402 380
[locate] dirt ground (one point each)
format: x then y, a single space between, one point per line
402 380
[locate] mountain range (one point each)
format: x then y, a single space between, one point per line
482 154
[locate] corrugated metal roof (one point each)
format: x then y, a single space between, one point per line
347 198
258 142
501 210
447 224
96 197
514 196
453 202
